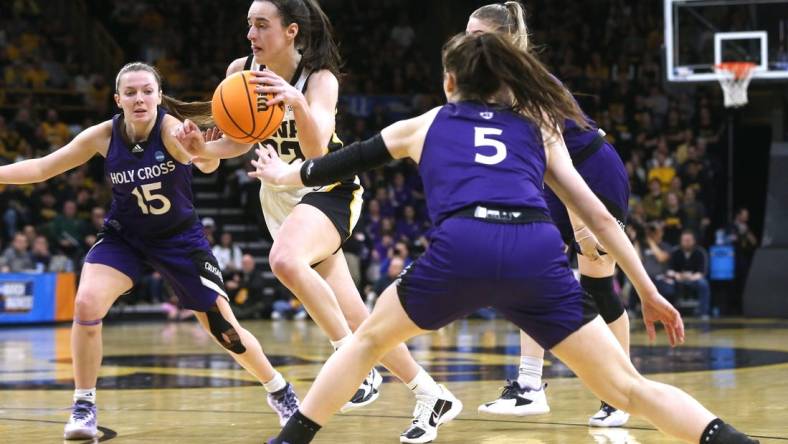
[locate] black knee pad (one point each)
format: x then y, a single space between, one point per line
224 332
718 432
608 303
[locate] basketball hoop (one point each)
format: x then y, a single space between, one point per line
734 78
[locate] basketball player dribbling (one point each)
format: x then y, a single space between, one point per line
151 221
310 224
602 169
483 158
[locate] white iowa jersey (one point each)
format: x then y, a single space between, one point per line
278 201
285 139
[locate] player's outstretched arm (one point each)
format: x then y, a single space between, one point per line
192 140
398 140
75 153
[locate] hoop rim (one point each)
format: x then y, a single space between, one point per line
740 70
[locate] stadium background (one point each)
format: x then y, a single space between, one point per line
58 60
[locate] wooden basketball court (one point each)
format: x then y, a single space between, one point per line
168 383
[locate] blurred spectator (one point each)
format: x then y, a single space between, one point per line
246 290
53 131
228 254
395 266
408 228
672 219
209 227
687 272
67 231
16 257
402 33
695 217
653 202
12 145
45 261
656 254
744 242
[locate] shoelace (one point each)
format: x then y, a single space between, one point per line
290 401
423 411
511 390
81 411
608 408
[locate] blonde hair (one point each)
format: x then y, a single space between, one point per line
508 18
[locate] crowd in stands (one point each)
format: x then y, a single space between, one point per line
671 140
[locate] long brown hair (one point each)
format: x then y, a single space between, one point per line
198 112
507 18
315 38
485 65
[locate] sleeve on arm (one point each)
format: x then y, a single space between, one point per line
346 162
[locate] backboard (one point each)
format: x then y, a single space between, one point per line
702 33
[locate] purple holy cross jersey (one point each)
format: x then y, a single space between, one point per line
578 138
477 154
151 191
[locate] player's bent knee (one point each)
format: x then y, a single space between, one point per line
284 265
225 333
86 308
607 301
373 343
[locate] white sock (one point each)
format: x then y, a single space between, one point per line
276 383
530 372
423 384
341 342
88 395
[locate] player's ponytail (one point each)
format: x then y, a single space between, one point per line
199 112
315 38
507 18
489 66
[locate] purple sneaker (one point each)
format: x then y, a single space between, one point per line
82 424
284 402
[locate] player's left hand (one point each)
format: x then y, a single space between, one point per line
271 169
657 308
189 136
282 91
212 134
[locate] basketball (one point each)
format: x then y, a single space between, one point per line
241 113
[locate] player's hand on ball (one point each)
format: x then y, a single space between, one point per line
212 134
282 90
271 169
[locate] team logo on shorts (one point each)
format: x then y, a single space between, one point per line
211 269
159 156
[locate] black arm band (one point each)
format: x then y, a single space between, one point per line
346 162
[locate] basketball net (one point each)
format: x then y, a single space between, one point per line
734 77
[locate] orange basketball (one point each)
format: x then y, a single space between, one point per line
241 113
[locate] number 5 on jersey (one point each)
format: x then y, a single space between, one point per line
146 197
481 139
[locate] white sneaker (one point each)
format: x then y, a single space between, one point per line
83 423
611 436
608 416
366 394
518 401
429 413
300 316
